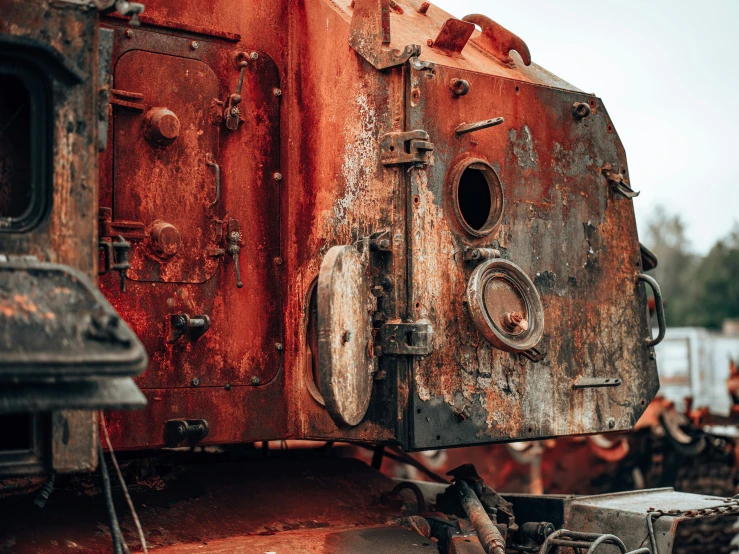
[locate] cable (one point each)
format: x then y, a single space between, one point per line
134 515
115 529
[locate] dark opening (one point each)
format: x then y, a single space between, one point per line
311 337
17 432
473 197
15 148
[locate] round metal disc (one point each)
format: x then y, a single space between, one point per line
505 305
344 324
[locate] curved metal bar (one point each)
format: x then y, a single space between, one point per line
415 489
650 342
497 40
607 539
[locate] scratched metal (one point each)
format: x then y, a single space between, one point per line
565 228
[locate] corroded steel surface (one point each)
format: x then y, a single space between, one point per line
57 39
565 228
305 170
187 210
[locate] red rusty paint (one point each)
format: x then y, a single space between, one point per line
315 112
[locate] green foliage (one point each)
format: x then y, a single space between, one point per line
699 291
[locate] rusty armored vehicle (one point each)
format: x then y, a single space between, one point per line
226 224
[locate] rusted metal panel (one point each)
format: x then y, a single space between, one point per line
207 198
560 223
58 40
339 192
565 228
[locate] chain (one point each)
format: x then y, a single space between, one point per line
729 507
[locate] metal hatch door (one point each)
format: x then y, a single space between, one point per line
164 182
527 264
346 361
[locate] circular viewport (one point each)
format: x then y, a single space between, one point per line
477 197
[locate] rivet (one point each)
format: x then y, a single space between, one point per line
194 45
279 346
129 33
255 380
276 92
253 56
195 381
278 260
277 176
611 423
430 42
227 386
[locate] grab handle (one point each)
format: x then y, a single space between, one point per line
650 342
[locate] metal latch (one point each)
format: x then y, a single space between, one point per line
412 147
406 339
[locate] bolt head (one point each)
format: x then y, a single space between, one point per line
194 45
195 382
278 261
254 55
277 176
277 92
279 346
255 380
129 33
227 386
611 423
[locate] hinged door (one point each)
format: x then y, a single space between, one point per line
164 181
526 263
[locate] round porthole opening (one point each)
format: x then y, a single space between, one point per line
477 197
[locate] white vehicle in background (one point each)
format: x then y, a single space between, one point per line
695 363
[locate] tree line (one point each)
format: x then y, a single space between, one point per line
699 291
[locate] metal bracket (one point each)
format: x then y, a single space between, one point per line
406 339
476 255
618 182
369 35
411 147
191 327
596 382
192 431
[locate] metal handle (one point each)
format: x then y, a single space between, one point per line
212 163
650 342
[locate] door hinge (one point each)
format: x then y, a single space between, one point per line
406 339
411 147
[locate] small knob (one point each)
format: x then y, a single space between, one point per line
162 126
514 321
165 239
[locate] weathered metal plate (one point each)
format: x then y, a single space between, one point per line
171 183
244 345
345 348
565 228
54 323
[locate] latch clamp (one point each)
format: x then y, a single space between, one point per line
411 147
406 339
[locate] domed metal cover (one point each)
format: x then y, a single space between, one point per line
345 354
505 306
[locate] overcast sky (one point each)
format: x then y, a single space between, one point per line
668 73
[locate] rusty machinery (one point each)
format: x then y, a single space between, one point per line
329 220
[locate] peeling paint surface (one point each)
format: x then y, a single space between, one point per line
566 230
